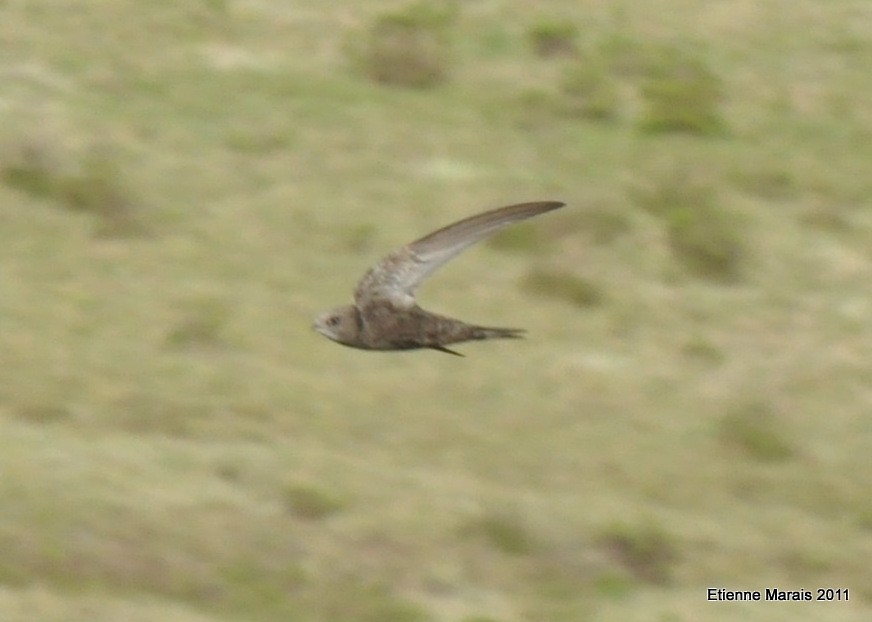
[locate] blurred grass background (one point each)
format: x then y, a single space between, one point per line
183 185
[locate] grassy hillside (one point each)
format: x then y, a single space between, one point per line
184 185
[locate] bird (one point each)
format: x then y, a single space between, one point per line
385 314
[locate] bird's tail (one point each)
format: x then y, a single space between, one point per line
482 332
464 332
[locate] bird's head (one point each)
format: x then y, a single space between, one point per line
339 324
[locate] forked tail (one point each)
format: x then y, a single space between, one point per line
481 332
458 332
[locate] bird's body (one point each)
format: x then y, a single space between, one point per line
386 328
385 316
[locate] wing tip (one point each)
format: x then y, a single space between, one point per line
537 207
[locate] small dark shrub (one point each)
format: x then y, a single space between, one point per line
707 241
504 532
754 430
201 326
682 94
94 185
411 47
310 503
645 551
552 38
589 92
703 236
563 286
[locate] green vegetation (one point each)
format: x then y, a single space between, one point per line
517 239
754 430
184 185
603 223
702 350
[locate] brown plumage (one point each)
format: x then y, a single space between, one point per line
385 316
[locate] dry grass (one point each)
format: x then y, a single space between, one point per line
689 410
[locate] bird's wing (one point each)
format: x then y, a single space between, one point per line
396 277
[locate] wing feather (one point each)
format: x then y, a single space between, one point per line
396 276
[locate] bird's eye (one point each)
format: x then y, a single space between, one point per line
332 321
